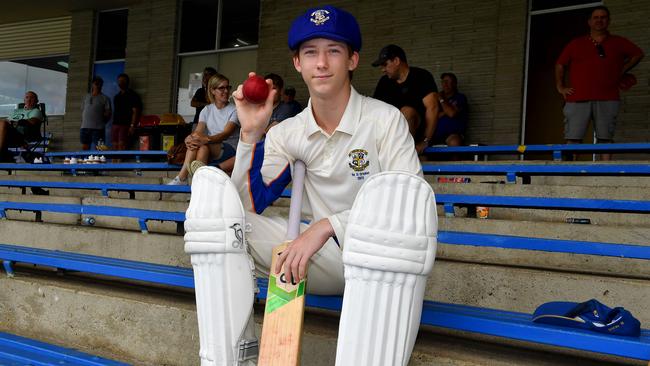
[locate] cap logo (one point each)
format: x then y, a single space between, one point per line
319 17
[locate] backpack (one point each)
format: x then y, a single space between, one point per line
176 154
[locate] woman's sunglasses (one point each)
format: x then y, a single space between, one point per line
223 88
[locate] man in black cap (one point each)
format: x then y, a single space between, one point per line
412 90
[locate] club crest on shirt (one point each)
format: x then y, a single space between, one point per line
320 16
358 160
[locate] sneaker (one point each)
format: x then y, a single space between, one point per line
194 166
177 182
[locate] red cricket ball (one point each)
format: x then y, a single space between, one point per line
255 90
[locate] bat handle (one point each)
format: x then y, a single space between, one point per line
295 208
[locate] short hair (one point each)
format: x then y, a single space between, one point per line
123 75
451 75
34 94
98 80
599 7
215 80
290 91
276 79
210 70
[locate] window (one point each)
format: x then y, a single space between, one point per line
199 25
47 77
553 4
208 25
111 35
217 33
240 24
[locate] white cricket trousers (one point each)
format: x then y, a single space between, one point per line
325 269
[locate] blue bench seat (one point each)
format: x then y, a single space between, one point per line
141 214
491 322
549 203
137 155
74 168
512 171
555 149
20 351
447 237
103 187
449 201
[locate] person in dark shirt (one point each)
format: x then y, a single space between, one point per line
410 89
128 107
200 99
289 101
452 119
281 111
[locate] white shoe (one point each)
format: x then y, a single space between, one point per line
74 160
177 182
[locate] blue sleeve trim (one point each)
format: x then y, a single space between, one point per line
263 194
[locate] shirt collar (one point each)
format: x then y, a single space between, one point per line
349 120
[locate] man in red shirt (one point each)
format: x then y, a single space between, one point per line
597 65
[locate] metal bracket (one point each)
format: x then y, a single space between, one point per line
143 226
9 269
449 209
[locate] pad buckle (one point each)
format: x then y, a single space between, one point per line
248 349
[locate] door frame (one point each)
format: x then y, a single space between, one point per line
532 13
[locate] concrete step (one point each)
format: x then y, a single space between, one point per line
124 223
131 223
148 327
514 214
609 219
523 289
51 217
594 181
97 179
545 190
107 173
587 264
133 245
505 279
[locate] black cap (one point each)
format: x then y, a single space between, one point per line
388 53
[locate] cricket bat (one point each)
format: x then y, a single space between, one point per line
285 302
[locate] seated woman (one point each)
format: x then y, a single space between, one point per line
22 126
217 133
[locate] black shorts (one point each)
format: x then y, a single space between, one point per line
14 137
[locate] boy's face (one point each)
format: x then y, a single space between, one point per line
325 65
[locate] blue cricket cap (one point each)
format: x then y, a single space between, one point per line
325 22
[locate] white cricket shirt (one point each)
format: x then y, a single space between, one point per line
372 137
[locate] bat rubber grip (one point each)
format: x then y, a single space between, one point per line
295 208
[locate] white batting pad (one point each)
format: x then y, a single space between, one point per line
389 249
223 271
